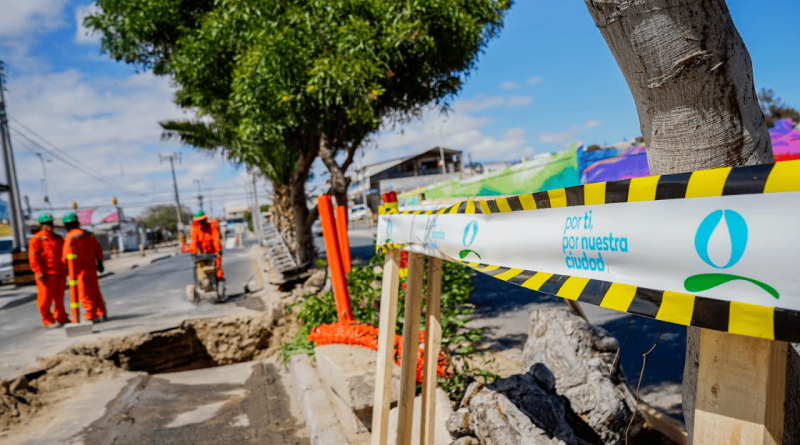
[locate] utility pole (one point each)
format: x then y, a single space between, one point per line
172 158
44 181
256 213
199 192
14 206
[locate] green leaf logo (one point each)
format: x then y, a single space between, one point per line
737 232
466 252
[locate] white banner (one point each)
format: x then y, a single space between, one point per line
743 248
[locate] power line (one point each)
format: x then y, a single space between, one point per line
65 154
75 164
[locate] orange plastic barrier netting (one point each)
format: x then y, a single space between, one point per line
344 333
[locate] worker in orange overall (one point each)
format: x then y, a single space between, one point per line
44 254
84 258
205 239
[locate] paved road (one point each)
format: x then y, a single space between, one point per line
142 299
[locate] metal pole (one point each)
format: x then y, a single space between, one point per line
441 149
199 193
44 181
172 158
256 212
14 205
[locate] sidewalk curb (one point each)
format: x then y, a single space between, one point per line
321 421
19 301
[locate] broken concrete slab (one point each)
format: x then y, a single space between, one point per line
444 409
350 373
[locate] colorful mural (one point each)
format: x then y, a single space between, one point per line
785 141
624 164
578 166
544 172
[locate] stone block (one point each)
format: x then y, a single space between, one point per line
350 373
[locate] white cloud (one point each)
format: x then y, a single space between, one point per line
547 137
508 85
459 130
20 17
478 103
535 80
111 127
512 145
83 34
518 101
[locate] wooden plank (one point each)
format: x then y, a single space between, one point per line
576 308
740 390
433 343
383 375
408 366
663 423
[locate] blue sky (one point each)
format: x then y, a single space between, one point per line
547 80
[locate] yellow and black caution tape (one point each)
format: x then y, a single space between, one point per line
681 308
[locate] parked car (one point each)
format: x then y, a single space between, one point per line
358 212
6 267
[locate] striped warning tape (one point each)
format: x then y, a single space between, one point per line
755 179
682 308
22 268
673 307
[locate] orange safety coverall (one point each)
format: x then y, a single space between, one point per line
205 239
81 249
44 254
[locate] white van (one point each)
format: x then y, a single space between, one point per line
6 266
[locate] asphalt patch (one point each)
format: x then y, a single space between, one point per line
151 410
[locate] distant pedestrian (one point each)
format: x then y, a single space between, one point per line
44 254
84 258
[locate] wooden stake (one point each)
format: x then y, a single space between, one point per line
740 390
386 328
408 367
433 343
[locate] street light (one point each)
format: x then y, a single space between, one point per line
441 148
44 179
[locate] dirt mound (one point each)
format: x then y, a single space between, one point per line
196 344
24 396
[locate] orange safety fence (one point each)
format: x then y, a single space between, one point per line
349 333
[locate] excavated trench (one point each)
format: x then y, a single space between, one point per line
195 344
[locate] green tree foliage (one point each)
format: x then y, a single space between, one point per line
775 109
303 78
164 217
249 219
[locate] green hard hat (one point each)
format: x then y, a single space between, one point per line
69 217
198 215
45 218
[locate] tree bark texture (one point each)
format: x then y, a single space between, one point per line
339 182
308 149
692 81
691 78
283 215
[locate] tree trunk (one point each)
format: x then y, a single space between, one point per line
339 182
283 216
308 149
691 78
